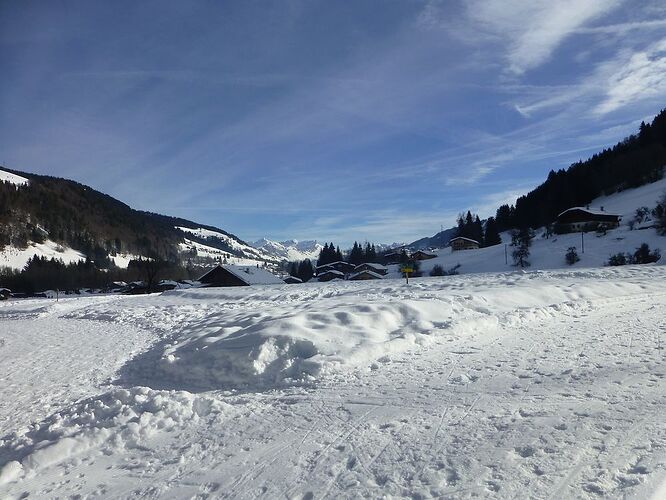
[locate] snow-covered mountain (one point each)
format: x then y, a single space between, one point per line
291 250
58 218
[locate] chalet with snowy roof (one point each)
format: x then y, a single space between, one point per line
365 275
232 275
293 280
585 219
462 243
421 255
5 293
372 267
340 265
330 274
392 257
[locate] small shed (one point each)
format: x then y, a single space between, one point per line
233 275
585 219
293 280
371 266
462 243
330 275
366 275
421 255
5 293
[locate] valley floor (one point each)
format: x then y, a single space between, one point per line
530 385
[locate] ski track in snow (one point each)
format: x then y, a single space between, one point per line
517 385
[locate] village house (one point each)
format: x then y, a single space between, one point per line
331 274
233 275
293 280
393 257
421 255
462 243
585 219
365 275
341 266
372 267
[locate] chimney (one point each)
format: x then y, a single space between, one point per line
602 209
587 207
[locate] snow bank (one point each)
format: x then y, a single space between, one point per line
263 337
118 420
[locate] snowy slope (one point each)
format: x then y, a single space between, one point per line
16 258
511 385
291 250
12 178
247 252
549 253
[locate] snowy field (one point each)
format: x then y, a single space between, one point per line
545 384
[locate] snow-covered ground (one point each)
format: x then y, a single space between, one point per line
546 384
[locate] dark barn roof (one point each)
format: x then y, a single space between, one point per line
581 214
229 275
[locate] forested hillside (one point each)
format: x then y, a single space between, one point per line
94 223
637 160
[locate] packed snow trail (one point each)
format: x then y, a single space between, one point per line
561 400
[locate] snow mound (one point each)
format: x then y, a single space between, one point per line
118 420
263 337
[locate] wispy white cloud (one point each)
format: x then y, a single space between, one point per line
533 30
623 28
633 77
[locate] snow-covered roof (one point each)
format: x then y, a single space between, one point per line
463 238
332 271
373 265
370 273
591 211
253 275
333 264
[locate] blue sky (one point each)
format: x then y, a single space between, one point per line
363 120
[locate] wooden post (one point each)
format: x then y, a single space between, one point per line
582 241
506 256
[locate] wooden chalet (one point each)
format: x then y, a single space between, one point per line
462 243
421 255
392 257
340 265
366 275
331 274
585 219
233 275
372 267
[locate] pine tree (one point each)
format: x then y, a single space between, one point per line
356 256
305 271
491 236
477 231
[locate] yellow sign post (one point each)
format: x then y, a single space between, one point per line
406 270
